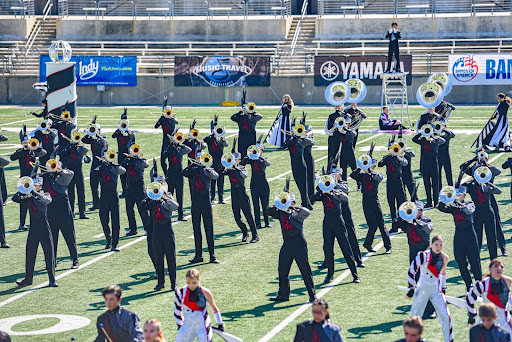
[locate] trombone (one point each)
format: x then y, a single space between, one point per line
33 144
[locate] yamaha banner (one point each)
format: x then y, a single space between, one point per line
484 69
221 71
329 69
99 70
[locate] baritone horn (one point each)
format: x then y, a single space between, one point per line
227 160
33 144
43 126
326 183
447 195
253 152
52 165
250 107
340 123
395 150
438 126
219 131
123 125
206 159
135 150
76 136
110 156
364 162
283 200
482 174
427 131
408 211
25 185
92 130
299 130
194 133
155 190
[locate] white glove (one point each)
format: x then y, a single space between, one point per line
390 30
395 31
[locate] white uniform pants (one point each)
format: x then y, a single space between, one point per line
194 325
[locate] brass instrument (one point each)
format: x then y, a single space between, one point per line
427 131
429 95
66 115
43 126
92 130
53 165
482 174
395 150
156 190
326 183
482 155
33 144
447 195
357 90
253 152
340 123
408 211
337 93
299 130
178 138
194 133
283 200
25 185
402 142
438 126
206 159
168 113
364 162
250 107
227 160
123 125
135 151
443 81
219 131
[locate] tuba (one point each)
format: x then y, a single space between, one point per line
443 81
337 93
438 126
228 160
429 95
408 211
156 190
135 150
123 125
25 185
395 150
357 90
253 152
299 130
326 183
53 165
219 131
43 126
194 133
482 174
207 160
427 131
447 195
92 130
364 162
33 144
250 107
283 200
110 156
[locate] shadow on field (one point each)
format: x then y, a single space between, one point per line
382 328
257 311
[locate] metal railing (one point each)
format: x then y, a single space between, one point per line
20 8
299 26
63 10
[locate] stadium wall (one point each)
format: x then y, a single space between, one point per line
150 90
15 28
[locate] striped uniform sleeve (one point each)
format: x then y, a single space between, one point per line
473 295
415 266
178 310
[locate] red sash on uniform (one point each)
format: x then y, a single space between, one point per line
214 144
459 218
46 140
199 184
48 189
328 203
480 195
256 168
232 177
27 160
123 140
343 139
33 208
316 338
165 127
106 177
246 124
427 147
293 149
174 159
131 171
391 168
109 331
285 224
368 184
192 305
193 154
158 214
414 235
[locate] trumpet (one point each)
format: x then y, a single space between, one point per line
283 200
206 160
447 195
92 130
438 126
299 130
168 113
156 190
250 107
25 185
228 160
194 133
253 152
135 150
53 165
123 125
364 162
43 126
33 144
426 131
408 211
340 123
395 150
219 131
482 174
326 183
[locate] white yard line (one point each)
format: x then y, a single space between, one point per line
16 122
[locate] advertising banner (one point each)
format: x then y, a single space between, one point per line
329 69
221 71
99 70
480 69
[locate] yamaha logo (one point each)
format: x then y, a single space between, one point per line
329 71
465 69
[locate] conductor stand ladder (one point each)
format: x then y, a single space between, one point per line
394 94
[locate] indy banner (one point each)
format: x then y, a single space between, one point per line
480 69
368 68
221 71
99 70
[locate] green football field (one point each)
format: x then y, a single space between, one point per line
247 274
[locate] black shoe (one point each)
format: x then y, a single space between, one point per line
360 264
22 227
393 230
214 260
92 208
159 287
221 201
312 299
369 248
504 252
24 282
245 237
115 249
53 284
255 239
310 207
75 264
5 245
267 225
108 245
196 260
328 279
432 316
131 233
83 216
356 280
279 299
388 251
322 265
182 219
258 227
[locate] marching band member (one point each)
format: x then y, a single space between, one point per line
407 176
98 144
199 180
174 177
3 185
3 244
308 156
294 246
135 164
350 112
260 190
385 122
194 141
465 243
369 180
39 233
393 35
72 157
246 119
216 144
239 199
276 136
44 113
508 165
334 140
26 156
108 172
296 145
60 216
487 330
418 229
191 312
347 152
333 223
63 126
430 172
394 186
47 140
431 284
168 123
153 331
320 328
494 288
346 213
444 157
160 205
153 176
427 117
125 138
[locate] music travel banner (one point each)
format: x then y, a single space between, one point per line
99 70
480 69
368 68
221 71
